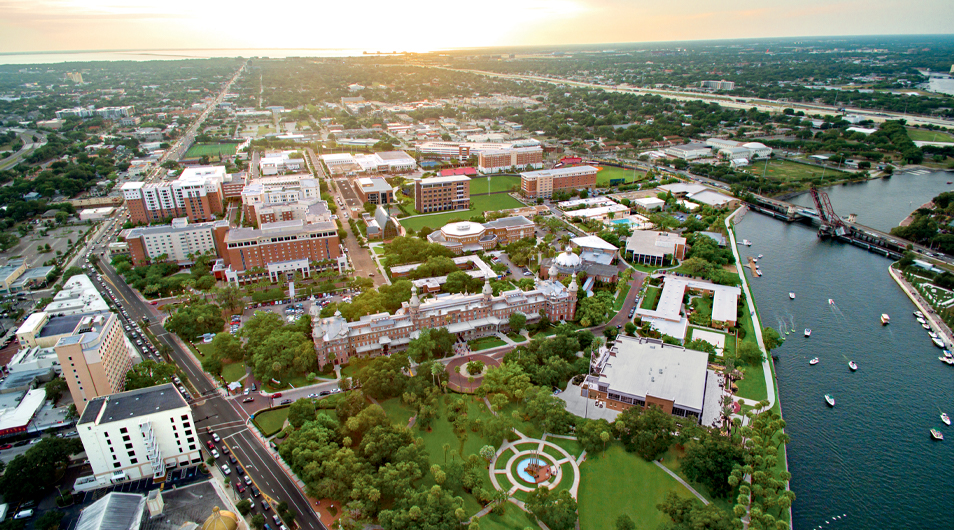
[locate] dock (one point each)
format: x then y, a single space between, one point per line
752 266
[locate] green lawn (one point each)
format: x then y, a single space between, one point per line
480 203
483 185
233 371
753 386
397 411
271 421
616 483
571 446
608 173
513 519
210 150
621 298
204 349
379 250
516 337
922 135
651 298
485 343
789 171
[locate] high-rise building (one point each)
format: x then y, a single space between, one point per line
138 434
438 194
718 85
543 183
94 358
197 195
179 241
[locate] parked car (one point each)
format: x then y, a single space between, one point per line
255 492
239 487
249 399
277 395
286 402
215 454
277 519
210 444
226 469
266 506
248 480
216 438
233 460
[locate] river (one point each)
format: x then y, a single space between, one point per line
869 459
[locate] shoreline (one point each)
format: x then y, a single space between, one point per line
910 218
937 325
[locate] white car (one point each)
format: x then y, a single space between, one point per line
226 469
215 454
215 437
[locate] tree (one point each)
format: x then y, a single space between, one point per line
762 487
244 507
258 521
149 373
517 321
646 431
55 388
475 367
50 520
710 460
487 452
29 475
557 511
300 411
432 343
771 338
424 509
195 319
750 353
227 346
625 522
230 296
687 514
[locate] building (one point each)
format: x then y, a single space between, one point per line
179 241
718 85
279 162
641 372
138 434
397 161
281 247
730 149
439 194
115 511
75 112
472 265
715 199
510 158
461 151
543 183
649 204
115 113
374 190
689 151
467 236
18 409
650 247
75 77
95 357
669 315
96 214
382 225
466 171
308 210
78 295
10 272
602 213
197 195
467 316
285 189
589 202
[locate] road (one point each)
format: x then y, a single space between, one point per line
28 146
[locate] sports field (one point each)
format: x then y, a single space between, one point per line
481 204
608 173
788 171
493 184
210 150
921 135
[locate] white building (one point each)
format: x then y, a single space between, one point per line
138 434
689 151
95 214
279 162
78 295
177 240
730 149
649 204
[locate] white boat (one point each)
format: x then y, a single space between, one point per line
791 295
831 302
938 342
808 332
758 272
921 321
932 334
852 365
814 361
760 256
746 242
830 400
885 319
945 418
755 260
936 434
926 326
947 353
919 314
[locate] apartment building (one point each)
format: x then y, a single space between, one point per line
284 189
94 358
179 241
197 194
138 434
280 247
497 160
543 183
274 163
438 194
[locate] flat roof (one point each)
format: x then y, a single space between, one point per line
508 222
444 180
395 155
374 184
61 325
592 242
568 170
124 405
712 198
652 243
724 301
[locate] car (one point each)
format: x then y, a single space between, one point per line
215 454
247 390
239 487
226 469
277 395
254 387
312 395
324 393
255 492
24 514
277 519
248 399
266 506
286 402
248 480
21 443
208 430
5 446
232 459
210 444
37 440
266 527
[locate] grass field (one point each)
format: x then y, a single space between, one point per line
609 173
513 518
485 343
920 135
397 411
651 298
621 298
493 184
233 371
788 171
616 482
210 150
271 421
481 204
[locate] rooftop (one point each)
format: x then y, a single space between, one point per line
592 242
124 405
652 243
560 171
444 180
509 222
115 511
374 185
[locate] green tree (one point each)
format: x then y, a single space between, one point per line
709 461
771 338
556 510
50 520
300 411
258 521
750 353
229 296
244 507
195 319
55 388
149 373
227 346
647 431
517 321
625 522
31 474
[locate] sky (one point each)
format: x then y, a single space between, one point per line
425 25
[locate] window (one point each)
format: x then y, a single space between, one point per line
129 446
115 465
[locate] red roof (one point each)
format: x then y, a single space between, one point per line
467 171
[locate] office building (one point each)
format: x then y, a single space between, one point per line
510 159
669 305
461 151
641 372
439 194
543 183
179 241
197 195
374 190
94 358
10 272
718 85
467 316
650 247
467 236
138 434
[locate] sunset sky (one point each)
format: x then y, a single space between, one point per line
420 25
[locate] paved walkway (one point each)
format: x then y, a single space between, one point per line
683 482
937 325
533 448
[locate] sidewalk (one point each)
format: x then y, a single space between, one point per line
938 325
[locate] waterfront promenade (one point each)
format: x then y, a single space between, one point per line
937 324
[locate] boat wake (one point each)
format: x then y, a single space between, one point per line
836 310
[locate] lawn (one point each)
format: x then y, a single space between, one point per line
753 386
616 483
651 298
608 173
480 203
378 249
397 411
621 298
233 371
210 150
922 135
789 171
513 518
497 183
571 446
271 421
516 337
485 343
204 348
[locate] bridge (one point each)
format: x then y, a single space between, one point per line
831 225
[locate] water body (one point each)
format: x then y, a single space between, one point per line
870 457
174 55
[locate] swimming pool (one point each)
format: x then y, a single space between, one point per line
621 222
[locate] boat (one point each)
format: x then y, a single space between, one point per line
758 272
760 256
755 260
921 321
746 242
936 434
919 314
938 342
831 302
926 326
947 353
830 400
808 332
885 319
932 334
814 361
852 365
791 295
945 418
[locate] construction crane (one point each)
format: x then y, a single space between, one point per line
831 224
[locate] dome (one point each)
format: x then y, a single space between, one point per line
567 260
221 520
463 228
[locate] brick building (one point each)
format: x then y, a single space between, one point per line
439 194
498 160
466 236
196 195
374 190
543 183
283 246
179 241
